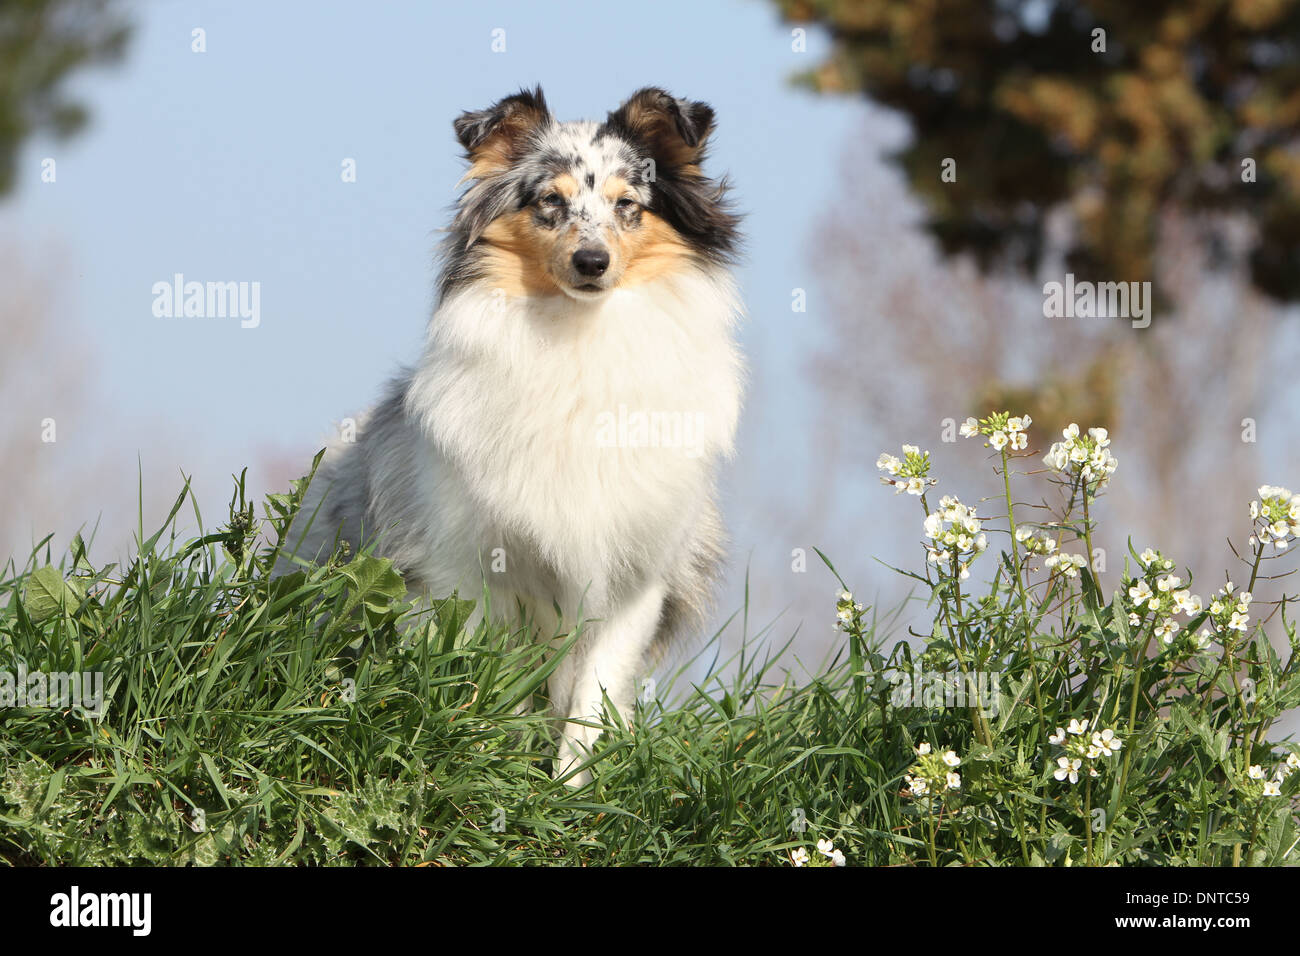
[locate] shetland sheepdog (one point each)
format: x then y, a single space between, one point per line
559 439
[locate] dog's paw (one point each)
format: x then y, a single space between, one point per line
572 752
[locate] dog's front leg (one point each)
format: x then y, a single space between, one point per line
605 662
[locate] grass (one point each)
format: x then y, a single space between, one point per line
319 719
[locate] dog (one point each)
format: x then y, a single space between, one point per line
558 442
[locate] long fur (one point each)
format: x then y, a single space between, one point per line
495 461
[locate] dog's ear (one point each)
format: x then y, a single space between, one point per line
496 137
673 130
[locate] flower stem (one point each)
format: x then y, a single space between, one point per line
1230 645
1024 611
1133 704
1087 534
1087 817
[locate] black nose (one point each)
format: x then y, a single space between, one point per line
591 263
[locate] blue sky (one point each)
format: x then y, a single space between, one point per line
225 166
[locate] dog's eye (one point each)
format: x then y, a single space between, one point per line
554 200
625 203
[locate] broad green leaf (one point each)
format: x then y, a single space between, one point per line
48 594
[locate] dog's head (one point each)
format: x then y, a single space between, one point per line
582 208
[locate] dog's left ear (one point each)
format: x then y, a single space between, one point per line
673 130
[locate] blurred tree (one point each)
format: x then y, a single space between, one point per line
913 341
1159 112
41 43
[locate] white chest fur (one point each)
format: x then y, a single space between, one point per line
589 430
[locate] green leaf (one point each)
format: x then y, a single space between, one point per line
48 594
374 578
1119 618
1057 844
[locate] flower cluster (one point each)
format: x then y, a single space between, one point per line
847 613
1034 545
801 857
1276 514
1229 612
1257 785
1046 548
1041 545
1087 456
911 473
1082 749
933 773
1002 429
1155 561
955 535
1067 564
1159 596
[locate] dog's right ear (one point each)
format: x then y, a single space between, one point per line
496 137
